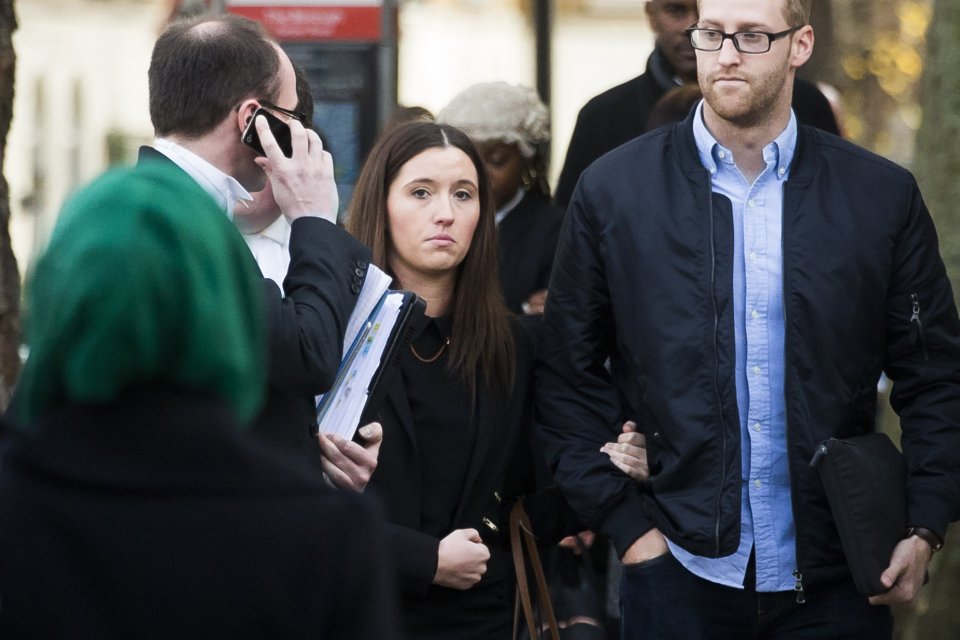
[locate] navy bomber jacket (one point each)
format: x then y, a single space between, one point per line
643 274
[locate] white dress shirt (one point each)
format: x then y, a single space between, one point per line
271 249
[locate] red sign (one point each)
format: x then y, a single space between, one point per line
288 20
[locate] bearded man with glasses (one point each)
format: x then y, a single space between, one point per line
628 110
749 279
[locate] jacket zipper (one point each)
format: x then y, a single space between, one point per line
915 319
716 369
798 586
797 575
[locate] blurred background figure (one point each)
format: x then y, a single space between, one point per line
267 233
402 114
673 106
511 126
263 225
132 501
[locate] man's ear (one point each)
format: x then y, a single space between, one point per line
245 112
802 44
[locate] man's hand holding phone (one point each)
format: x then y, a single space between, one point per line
303 183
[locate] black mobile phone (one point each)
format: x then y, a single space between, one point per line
279 128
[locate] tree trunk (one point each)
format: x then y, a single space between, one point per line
9 274
937 166
825 64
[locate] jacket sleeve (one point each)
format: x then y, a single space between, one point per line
577 407
580 153
923 360
326 272
414 556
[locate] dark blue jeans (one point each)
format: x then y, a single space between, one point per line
661 600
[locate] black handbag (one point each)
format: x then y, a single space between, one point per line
865 478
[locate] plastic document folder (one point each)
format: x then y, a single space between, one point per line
368 361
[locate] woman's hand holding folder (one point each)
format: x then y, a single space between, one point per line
347 464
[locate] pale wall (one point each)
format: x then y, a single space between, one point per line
102 47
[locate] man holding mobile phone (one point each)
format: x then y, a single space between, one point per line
208 78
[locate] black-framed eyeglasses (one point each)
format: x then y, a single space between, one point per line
744 41
296 115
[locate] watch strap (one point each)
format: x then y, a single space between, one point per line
930 537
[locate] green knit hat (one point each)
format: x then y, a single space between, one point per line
145 282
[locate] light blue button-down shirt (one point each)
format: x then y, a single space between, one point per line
766 519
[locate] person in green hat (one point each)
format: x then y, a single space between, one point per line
134 501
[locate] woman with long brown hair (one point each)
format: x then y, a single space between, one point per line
457 421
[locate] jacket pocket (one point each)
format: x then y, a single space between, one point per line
916 325
908 327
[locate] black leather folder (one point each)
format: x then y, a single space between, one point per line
865 478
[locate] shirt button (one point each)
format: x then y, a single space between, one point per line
756 427
753 256
782 171
722 154
754 314
751 203
756 483
756 371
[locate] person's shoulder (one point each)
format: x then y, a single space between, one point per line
636 150
536 204
845 156
613 98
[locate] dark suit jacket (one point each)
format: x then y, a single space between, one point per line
526 242
617 115
326 272
156 517
501 462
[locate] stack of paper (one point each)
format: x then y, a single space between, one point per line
368 338
375 284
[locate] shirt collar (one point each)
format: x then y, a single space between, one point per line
224 189
510 206
778 153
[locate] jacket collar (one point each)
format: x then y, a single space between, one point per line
802 169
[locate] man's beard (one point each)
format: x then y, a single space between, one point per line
750 107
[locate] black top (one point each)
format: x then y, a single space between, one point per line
445 434
445 431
